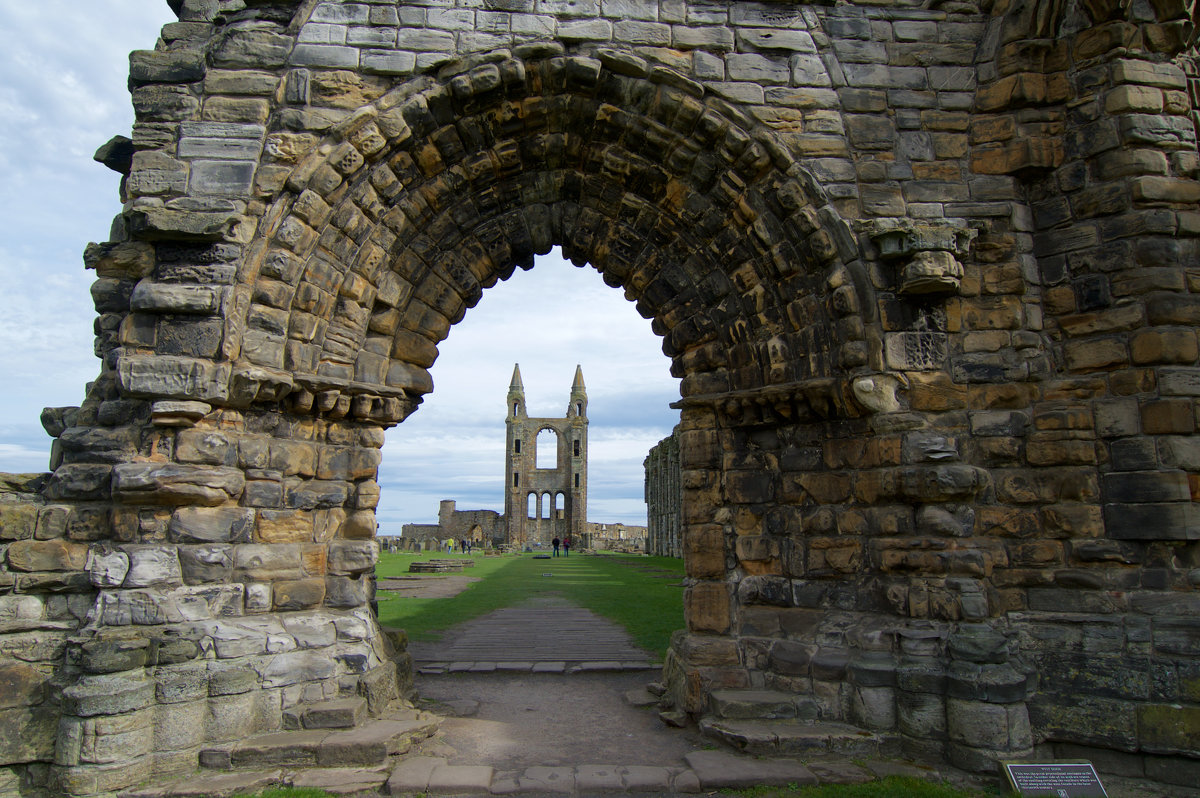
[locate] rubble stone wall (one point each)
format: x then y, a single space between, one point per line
927 272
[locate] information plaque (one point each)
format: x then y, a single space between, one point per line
1055 779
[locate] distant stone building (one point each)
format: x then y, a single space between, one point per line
545 497
615 537
546 468
663 498
478 526
481 527
420 537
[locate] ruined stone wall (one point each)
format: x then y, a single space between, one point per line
927 273
421 537
545 493
663 492
620 538
481 526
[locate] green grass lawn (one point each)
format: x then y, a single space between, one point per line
642 594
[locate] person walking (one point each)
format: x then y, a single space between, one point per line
566 546
555 543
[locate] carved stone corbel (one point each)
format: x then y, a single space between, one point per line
926 253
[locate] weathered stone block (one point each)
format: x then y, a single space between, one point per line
707 607
47 555
165 377
152 565
343 592
267 562
22 685
170 483
79 482
108 694
206 564
1146 486
251 49
284 526
352 556
211 525
299 594
27 734
1152 521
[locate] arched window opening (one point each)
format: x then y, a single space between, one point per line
560 506
531 506
579 408
547 505
547 449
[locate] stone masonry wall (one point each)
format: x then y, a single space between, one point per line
663 493
927 272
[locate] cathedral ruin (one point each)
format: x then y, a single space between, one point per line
546 469
927 270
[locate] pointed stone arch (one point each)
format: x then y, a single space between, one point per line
390 229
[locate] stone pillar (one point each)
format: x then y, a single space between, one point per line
986 717
921 693
232 579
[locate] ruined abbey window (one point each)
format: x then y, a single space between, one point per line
547 449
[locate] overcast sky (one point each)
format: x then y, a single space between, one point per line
63 71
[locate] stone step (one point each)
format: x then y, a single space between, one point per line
336 713
367 745
790 736
760 704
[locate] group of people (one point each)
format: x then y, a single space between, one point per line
566 546
464 545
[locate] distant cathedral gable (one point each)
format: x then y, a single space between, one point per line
545 493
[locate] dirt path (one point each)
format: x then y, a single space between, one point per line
430 586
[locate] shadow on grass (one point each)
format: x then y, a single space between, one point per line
642 594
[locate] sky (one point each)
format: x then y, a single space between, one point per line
63 71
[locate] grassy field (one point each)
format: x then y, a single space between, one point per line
642 594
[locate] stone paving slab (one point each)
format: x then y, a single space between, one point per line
341 781
599 778
701 771
647 778
412 774
460 779
214 785
718 770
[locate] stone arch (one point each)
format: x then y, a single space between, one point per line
392 227
899 559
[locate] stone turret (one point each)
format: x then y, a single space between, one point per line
516 395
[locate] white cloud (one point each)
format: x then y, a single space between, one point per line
549 320
63 70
